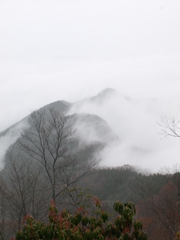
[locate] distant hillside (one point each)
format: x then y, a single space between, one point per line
100 99
61 106
111 117
91 130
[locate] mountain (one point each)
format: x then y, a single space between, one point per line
11 134
92 132
61 106
102 96
125 129
101 99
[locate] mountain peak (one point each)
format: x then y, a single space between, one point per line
107 91
59 105
103 95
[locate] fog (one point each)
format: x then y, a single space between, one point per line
72 81
136 123
71 50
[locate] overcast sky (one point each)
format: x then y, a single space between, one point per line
72 49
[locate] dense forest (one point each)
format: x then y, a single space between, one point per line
156 197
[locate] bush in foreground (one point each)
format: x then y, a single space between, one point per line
81 225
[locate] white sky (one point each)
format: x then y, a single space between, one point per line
71 49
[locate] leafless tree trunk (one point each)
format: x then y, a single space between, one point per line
3 208
40 166
48 144
21 188
163 205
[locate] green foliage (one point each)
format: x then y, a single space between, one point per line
83 226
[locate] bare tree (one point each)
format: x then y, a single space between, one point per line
169 127
49 144
21 192
40 166
3 210
162 205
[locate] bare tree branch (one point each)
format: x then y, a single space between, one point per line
169 127
47 141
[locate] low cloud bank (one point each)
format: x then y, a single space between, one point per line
135 122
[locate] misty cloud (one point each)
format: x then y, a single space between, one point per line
71 50
27 87
91 129
135 122
126 126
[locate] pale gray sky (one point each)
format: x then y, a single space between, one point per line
71 49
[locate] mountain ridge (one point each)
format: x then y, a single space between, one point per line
92 129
